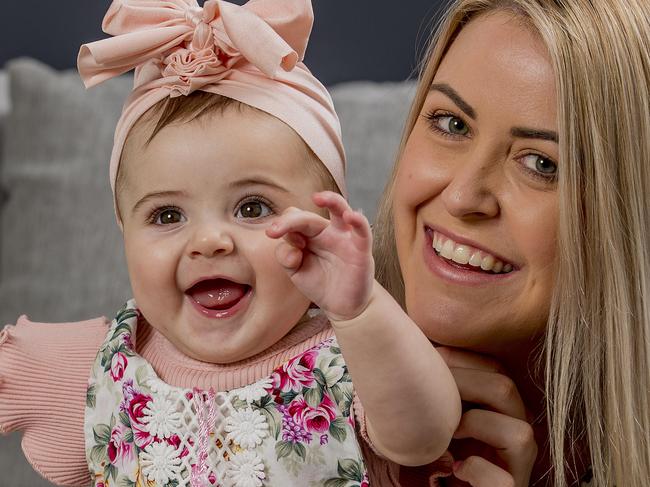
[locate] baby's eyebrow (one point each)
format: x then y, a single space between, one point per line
156 194
257 181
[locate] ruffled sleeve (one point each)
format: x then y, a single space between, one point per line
44 371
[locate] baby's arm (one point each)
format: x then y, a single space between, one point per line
409 396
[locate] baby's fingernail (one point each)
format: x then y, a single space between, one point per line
457 464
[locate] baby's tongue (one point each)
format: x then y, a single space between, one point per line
217 293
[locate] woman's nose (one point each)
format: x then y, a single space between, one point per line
209 241
471 192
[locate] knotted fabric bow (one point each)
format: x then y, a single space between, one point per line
251 53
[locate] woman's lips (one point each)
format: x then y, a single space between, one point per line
461 263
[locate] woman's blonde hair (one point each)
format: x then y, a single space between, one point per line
597 343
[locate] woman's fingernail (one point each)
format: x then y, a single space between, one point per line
457 465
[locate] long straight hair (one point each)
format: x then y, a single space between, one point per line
597 341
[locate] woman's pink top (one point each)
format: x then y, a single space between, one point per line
44 371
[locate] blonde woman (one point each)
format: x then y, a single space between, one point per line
516 231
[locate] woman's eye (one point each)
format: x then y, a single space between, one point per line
448 124
540 164
253 209
168 216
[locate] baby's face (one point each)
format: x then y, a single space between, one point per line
195 205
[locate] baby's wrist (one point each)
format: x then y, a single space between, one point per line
343 321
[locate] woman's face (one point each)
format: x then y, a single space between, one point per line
475 197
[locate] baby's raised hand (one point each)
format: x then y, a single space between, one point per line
330 261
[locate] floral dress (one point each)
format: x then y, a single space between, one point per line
294 427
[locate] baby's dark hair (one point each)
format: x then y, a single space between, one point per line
184 109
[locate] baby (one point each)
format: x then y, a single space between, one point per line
252 281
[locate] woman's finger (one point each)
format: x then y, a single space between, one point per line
455 357
495 391
512 439
478 472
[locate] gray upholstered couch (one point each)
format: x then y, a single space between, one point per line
60 250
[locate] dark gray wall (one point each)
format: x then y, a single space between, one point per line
352 39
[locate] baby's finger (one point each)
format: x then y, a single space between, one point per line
296 240
305 222
335 204
478 472
288 256
360 228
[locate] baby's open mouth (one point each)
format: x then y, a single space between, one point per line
218 294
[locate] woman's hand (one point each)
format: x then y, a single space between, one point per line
330 261
494 445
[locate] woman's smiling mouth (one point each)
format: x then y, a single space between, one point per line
461 262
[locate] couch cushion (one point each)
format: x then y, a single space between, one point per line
61 254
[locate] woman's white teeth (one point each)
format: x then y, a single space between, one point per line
464 254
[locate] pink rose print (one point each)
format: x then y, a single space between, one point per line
120 452
137 404
297 373
313 419
118 365
175 441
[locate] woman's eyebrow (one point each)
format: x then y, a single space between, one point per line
455 97
527 133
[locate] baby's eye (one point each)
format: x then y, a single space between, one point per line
167 216
252 209
542 165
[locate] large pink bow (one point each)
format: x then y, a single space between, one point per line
189 46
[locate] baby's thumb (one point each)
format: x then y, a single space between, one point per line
288 256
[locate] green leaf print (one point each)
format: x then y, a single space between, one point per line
102 434
287 397
240 404
299 448
98 454
141 375
350 469
128 436
275 426
124 418
320 377
314 396
335 350
338 429
110 470
125 314
172 483
120 329
91 396
283 449
124 481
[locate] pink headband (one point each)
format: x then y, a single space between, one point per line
250 53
